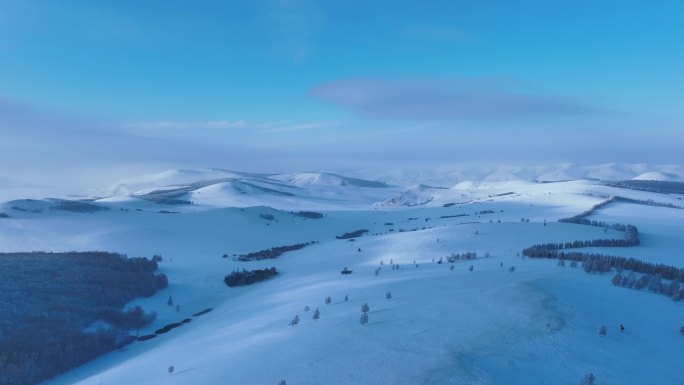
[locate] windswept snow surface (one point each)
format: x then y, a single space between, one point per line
536 325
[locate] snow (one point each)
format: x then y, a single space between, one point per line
659 176
536 325
167 178
498 173
325 179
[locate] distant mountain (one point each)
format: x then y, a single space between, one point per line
447 177
226 188
326 179
660 176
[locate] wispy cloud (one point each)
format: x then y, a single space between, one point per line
439 99
185 125
304 126
281 126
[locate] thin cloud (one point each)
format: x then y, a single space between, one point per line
304 126
433 99
184 125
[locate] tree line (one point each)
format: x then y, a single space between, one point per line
272 253
60 310
245 277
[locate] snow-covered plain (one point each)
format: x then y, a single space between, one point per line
536 325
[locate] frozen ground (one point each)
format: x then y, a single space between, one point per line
536 325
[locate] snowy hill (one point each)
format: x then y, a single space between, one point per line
660 176
222 188
168 178
326 179
545 173
495 319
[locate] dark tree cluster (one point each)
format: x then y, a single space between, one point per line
77 206
308 214
352 234
131 319
652 283
651 278
51 302
272 253
4 215
652 274
538 251
602 263
453 257
659 186
168 197
649 202
581 217
244 277
453 216
23 210
268 217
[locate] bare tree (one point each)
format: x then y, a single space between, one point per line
365 308
588 379
294 321
603 330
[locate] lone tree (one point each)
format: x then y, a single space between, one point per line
588 379
681 330
388 296
306 308
603 330
471 268
364 319
317 314
169 302
294 321
346 298
365 308
171 369
328 300
452 268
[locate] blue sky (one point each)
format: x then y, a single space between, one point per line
302 84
